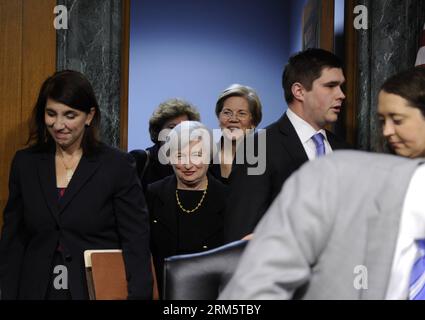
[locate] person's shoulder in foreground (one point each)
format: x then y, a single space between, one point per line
332 217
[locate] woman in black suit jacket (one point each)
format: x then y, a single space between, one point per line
239 112
68 193
165 117
186 209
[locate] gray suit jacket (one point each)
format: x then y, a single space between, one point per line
333 215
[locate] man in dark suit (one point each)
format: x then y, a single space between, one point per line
312 83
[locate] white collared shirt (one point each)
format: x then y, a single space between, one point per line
305 131
412 227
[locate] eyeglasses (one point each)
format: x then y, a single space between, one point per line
240 115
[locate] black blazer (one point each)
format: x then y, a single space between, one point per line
155 171
214 168
251 195
102 208
164 225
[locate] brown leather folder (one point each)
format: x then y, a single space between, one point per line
107 274
106 278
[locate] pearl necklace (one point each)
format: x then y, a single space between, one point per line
197 206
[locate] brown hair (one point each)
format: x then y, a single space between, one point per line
74 90
305 67
410 85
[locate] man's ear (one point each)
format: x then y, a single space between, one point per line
298 91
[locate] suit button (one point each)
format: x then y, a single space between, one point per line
68 258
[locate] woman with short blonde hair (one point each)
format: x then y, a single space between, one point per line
239 112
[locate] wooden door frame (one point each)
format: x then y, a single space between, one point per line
125 64
351 74
349 119
326 40
327 18
27 59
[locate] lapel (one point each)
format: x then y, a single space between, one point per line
214 166
216 198
335 142
84 171
382 234
212 223
291 140
166 212
47 176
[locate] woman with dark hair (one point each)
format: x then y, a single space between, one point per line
401 112
239 111
165 117
68 193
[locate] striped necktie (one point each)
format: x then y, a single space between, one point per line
318 140
417 275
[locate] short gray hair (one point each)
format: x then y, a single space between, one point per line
183 134
248 93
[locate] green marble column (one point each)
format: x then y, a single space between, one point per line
92 45
388 46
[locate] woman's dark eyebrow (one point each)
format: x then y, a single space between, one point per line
396 114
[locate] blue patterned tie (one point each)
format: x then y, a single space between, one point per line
417 275
318 140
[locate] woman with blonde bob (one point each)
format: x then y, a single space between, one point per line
239 111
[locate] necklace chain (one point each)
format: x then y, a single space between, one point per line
197 206
68 170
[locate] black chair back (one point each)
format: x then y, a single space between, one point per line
201 276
